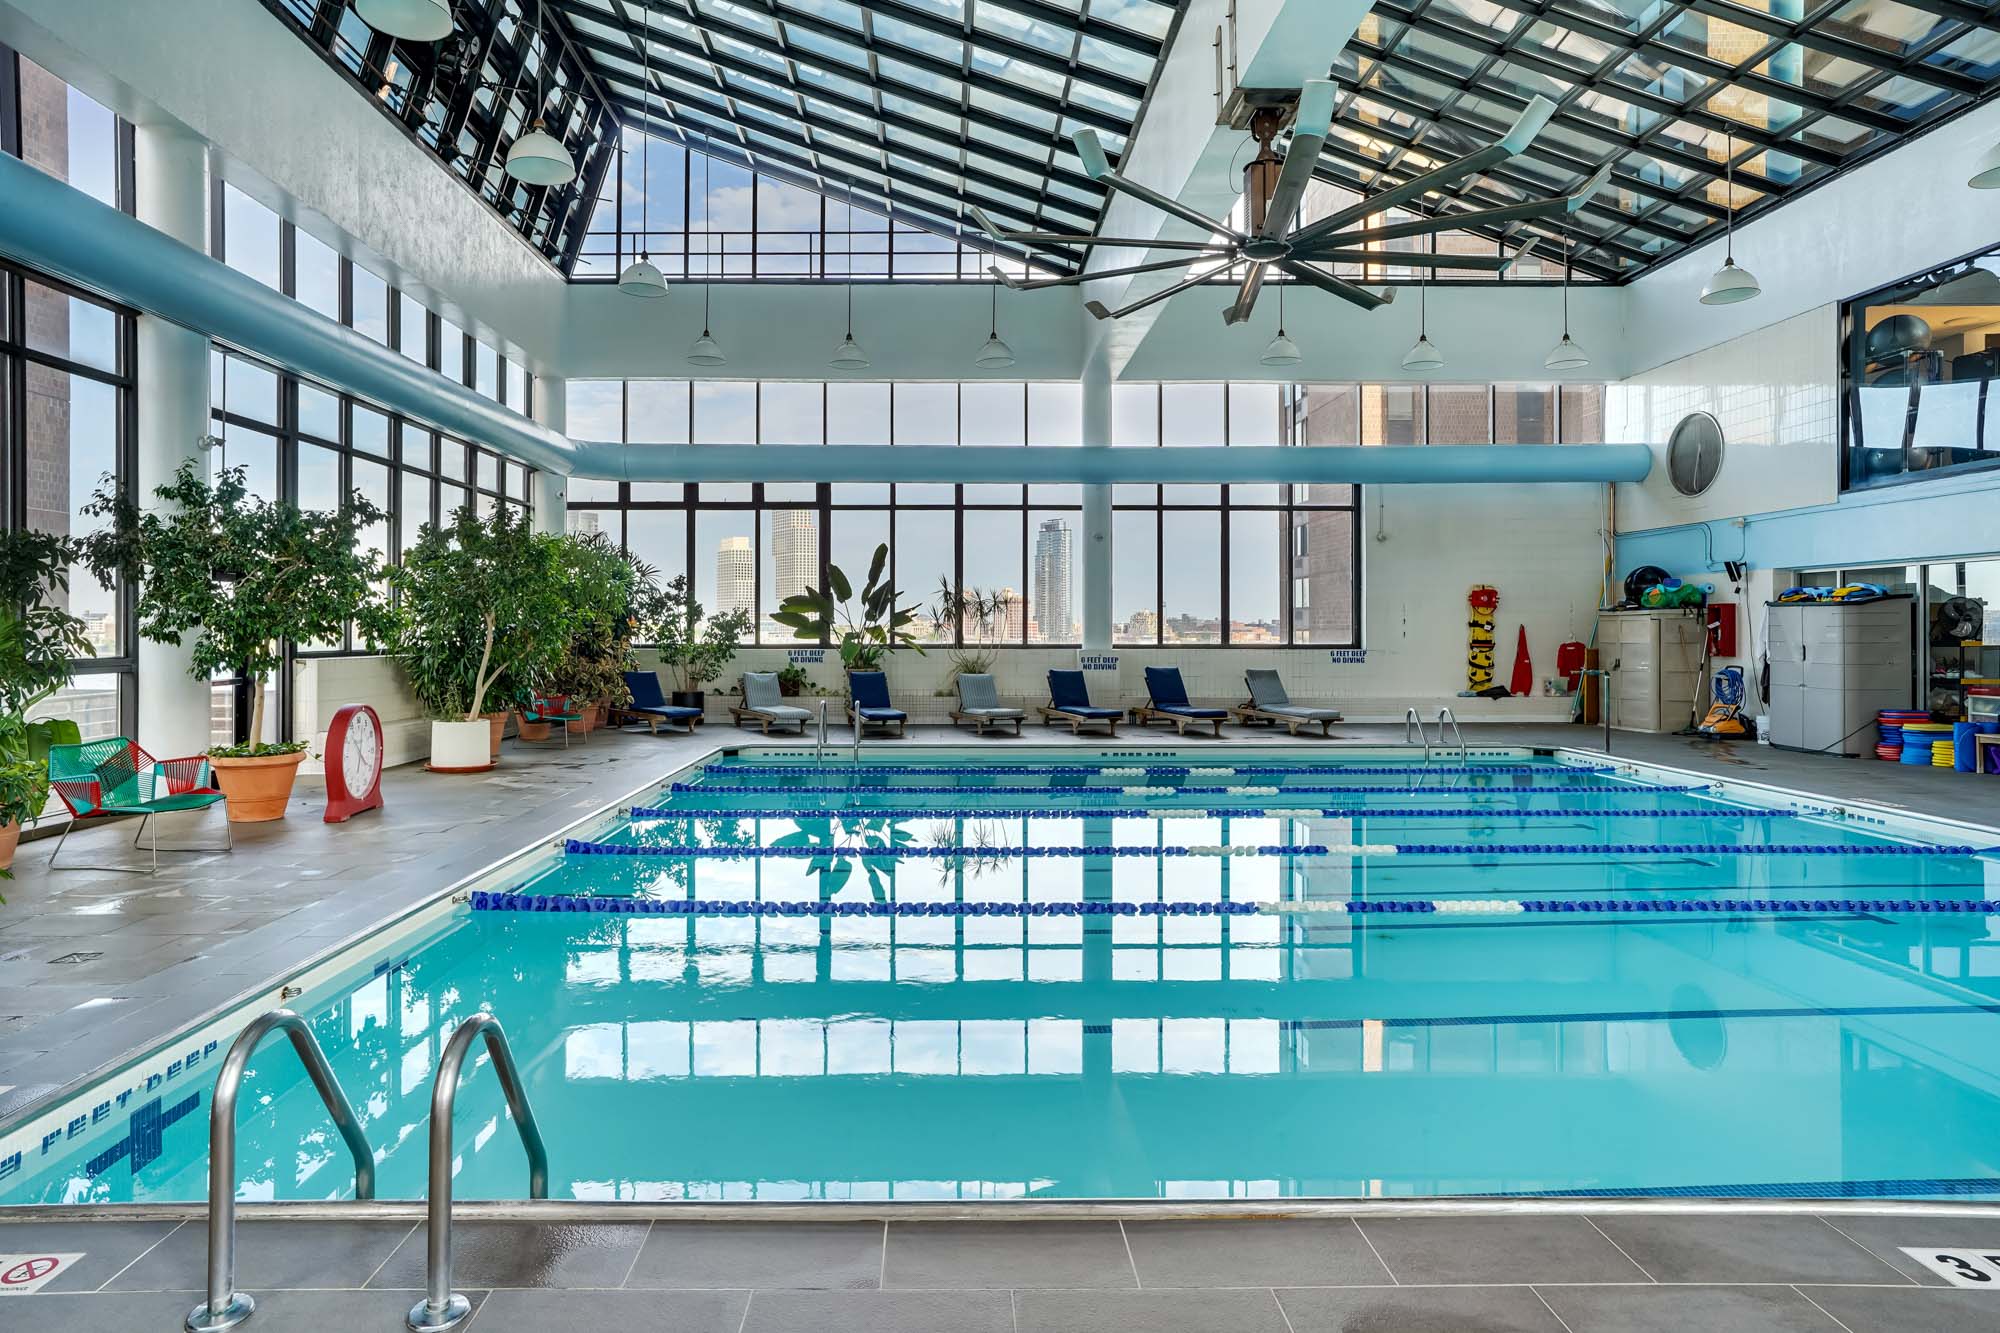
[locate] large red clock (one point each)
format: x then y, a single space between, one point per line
353 763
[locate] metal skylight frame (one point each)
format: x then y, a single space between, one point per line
1663 196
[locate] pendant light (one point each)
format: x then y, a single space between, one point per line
849 355
706 350
1730 283
1566 355
538 157
642 278
1423 354
996 354
406 20
1986 171
1282 351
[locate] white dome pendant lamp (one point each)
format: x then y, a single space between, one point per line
1423 354
1986 171
406 20
1566 355
1730 283
706 351
1281 351
995 354
538 157
642 277
849 355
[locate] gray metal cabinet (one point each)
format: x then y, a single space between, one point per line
1833 667
1656 661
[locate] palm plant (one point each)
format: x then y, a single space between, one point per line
868 631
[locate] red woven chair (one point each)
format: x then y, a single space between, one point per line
115 777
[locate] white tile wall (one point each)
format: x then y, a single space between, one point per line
1776 393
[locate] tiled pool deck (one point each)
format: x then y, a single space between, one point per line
94 965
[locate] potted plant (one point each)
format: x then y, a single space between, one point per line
694 646
39 637
973 611
867 631
793 681
240 577
599 586
480 617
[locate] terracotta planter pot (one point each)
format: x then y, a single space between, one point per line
257 789
530 731
10 838
497 721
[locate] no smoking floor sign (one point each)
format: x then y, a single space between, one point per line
24 1273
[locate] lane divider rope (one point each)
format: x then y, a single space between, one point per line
583 847
1380 789
1302 812
804 768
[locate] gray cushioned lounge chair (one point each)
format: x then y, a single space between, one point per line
1269 703
979 704
763 703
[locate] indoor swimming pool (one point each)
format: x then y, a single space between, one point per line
1143 974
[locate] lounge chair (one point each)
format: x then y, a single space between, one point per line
1069 701
116 777
868 703
765 704
1269 703
979 704
1169 703
649 705
555 710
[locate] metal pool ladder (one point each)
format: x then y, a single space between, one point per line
442 1308
819 737
1445 718
1410 719
227 1307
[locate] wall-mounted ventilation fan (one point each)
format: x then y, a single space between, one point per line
1957 620
1694 453
1274 185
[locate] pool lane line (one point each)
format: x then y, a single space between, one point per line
1915 1187
1412 769
1352 789
1653 1016
1333 812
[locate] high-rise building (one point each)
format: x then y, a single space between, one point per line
1012 617
1054 567
735 576
794 552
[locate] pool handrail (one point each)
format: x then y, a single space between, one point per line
442 1308
819 737
1444 717
226 1307
1411 719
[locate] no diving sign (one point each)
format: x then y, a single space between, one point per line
21 1274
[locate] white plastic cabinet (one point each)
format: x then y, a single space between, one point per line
1656 661
1834 665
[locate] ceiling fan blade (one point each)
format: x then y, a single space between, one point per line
1246 296
1001 234
1559 206
1489 263
1309 130
1511 144
1345 290
1037 284
1099 169
1097 307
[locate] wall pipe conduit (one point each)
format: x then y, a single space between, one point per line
49 225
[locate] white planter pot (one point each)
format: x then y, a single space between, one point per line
462 746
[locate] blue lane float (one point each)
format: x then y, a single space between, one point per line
580 847
1413 768
1342 789
484 901
1328 812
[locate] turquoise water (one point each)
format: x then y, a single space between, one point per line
1265 1053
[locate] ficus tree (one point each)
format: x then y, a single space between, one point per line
867 630
236 577
481 614
694 646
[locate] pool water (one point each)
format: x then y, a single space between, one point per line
945 975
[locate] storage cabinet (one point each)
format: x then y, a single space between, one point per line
1655 661
1833 667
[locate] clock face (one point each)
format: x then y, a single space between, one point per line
361 753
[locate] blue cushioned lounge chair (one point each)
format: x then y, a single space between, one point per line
1170 703
763 703
649 705
868 702
1069 701
1269 703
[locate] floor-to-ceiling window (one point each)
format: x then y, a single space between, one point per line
67 369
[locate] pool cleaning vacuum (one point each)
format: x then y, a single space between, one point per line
1725 715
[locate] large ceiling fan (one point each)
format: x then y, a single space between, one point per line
1274 186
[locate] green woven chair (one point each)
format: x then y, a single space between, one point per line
116 777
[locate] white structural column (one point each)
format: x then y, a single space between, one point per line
171 167
1096 556
552 488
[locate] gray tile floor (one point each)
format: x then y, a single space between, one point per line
1614 1272
94 965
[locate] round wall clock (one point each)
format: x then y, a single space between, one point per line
353 763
